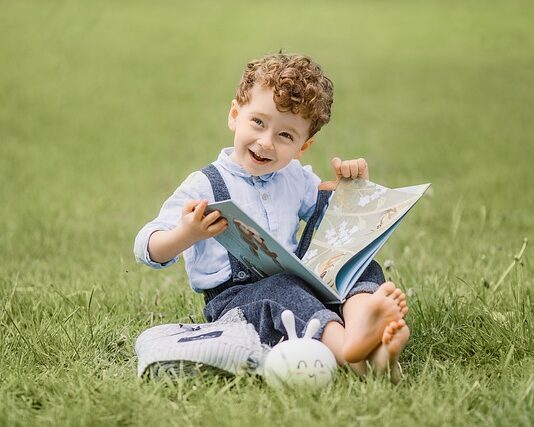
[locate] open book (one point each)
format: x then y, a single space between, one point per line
359 219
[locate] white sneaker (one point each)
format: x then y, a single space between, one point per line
230 345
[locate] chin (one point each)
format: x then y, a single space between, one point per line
259 171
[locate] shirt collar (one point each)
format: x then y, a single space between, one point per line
227 163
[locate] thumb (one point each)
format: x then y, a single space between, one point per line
200 209
189 206
328 185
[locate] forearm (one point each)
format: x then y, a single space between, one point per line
165 245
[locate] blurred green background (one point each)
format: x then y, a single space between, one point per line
105 106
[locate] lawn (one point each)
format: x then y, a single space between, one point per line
106 106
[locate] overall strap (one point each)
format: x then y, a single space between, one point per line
220 191
305 239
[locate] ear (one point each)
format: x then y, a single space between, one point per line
232 115
304 147
288 319
311 328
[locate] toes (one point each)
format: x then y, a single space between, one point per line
387 288
402 297
399 296
391 330
396 294
395 326
387 335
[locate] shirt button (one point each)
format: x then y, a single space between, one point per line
241 275
265 196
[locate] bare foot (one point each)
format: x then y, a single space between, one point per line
386 357
366 317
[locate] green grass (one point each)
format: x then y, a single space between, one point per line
106 106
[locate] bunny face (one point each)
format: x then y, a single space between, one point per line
299 361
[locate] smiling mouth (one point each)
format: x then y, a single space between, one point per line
259 158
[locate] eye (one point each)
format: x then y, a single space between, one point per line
257 121
286 135
319 364
302 364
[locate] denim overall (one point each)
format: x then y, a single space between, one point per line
262 301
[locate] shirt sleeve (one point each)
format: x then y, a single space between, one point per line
195 187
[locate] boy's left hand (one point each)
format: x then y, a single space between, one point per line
353 169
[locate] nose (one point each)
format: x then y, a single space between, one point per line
266 142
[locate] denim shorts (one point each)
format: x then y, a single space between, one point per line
262 302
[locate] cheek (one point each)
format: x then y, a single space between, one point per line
286 152
241 129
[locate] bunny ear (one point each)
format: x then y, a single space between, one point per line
288 319
311 328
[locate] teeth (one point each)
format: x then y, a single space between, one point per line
258 157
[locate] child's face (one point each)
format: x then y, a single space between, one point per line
265 139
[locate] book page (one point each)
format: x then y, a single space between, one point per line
359 212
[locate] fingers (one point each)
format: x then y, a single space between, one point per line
217 227
213 223
336 164
363 169
200 208
346 168
350 168
198 223
211 217
353 168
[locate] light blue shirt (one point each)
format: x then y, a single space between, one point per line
277 202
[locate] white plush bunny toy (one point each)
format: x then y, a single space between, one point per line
299 361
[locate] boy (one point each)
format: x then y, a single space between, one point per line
282 101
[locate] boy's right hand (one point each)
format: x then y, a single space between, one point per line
200 226
164 245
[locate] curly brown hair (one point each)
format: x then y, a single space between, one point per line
299 85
